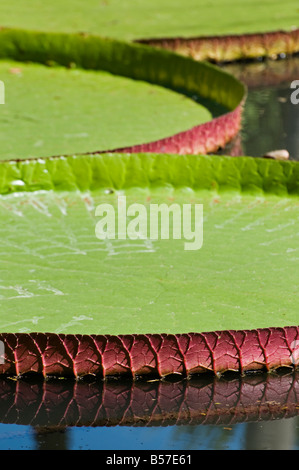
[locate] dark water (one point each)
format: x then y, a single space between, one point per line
270 122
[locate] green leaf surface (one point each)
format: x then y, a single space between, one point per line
100 94
55 275
58 111
140 18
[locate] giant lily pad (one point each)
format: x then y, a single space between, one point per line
54 111
59 111
58 278
219 30
158 18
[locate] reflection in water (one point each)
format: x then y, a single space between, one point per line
279 435
158 438
270 120
258 411
203 400
52 437
265 73
53 405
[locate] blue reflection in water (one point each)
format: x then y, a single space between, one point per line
281 434
16 437
169 438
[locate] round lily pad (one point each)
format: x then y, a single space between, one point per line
158 18
87 94
59 111
58 277
222 30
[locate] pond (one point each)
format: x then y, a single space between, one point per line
271 120
258 412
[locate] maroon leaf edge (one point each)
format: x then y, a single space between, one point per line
158 355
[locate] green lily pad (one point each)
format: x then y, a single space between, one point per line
137 19
57 276
102 94
56 111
